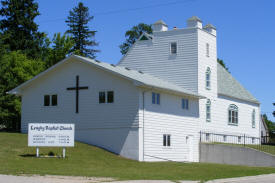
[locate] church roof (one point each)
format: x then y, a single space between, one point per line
229 86
138 77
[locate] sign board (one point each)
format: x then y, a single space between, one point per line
51 135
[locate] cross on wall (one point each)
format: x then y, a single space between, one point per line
77 88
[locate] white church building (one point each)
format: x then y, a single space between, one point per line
153 104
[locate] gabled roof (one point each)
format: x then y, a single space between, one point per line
138 77
229 86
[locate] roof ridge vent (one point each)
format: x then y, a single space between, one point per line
140 72
113 65
97 61
127 68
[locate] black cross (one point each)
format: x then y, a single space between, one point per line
77 88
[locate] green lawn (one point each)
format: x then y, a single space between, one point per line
86 160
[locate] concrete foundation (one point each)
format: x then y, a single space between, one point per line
226 154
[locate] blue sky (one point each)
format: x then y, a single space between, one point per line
245 32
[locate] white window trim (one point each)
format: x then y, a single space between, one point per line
50 104
166 140
208 103
106 96
207 50
208 71
170 48
236 109
253 118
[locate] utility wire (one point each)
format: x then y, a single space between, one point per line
129 9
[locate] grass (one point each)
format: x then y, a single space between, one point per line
85 160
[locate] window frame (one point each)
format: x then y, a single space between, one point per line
253 118
207 50
176 48
208 105
233 113
155 98
208 78
166 140
106 97
185 103
47 97
52 97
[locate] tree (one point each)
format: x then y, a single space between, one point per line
20 32
133 34
15 68
220 61
83 37
270 126
62 46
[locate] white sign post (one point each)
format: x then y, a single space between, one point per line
51 135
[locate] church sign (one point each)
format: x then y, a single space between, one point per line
51 135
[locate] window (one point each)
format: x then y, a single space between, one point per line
233 115
239 139
101 97
46 100
166 140
207 136
253 140
208 78
253 119
208 110
155 98
207 49
173 48
106 97
224 138
54 100
185 104
110 96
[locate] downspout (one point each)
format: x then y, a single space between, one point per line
143 121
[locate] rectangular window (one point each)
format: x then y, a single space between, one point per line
207 49
208 114
253 140
185 104
110 96
155 98
207 136
239 139
224 138
46 100
173 48
166 140
54 100
101 97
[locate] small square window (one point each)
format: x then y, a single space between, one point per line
224 138
239 139
166 140
46 100
101 97
207 136
155 98
110 96
54 100
173 48
185 104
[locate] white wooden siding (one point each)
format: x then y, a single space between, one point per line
112 126
153 57
169 118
